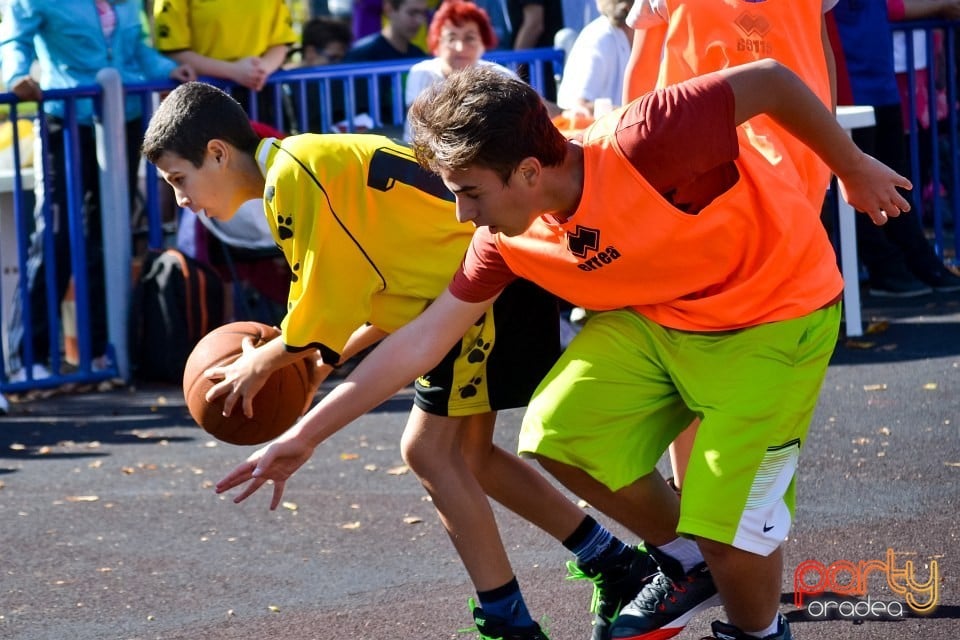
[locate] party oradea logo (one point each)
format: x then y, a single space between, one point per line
880 589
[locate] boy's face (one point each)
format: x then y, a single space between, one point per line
407 18
203 188
484 200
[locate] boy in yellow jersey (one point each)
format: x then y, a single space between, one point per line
372 240
717 294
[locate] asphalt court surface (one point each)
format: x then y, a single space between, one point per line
111 529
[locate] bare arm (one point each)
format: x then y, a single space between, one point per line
642 67
918 9
531 27
247 72
410 351
274 57
831 62
767 86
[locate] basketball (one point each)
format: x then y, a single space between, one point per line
275 407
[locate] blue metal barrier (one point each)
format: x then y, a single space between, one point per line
927 169
21 218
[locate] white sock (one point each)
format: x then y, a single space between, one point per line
769 631
684 551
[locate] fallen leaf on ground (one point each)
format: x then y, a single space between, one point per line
349 456
82 498
877 327
930 386
859 344
399 471
351 525
412 520
875 387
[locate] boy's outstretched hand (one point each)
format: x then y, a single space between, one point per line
871 186
274 463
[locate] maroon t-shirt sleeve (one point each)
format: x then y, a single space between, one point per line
683 140
483 273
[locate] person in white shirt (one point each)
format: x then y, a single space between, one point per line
597 62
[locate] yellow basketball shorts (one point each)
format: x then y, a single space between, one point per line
500 361
625 387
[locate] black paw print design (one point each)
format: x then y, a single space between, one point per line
294 276
470 389
284 224
479 351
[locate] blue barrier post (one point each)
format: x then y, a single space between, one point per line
115 212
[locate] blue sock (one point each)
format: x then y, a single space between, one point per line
591 541
506 603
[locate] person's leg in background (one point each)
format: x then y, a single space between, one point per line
50 188
898 257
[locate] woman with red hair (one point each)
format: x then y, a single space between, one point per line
459 34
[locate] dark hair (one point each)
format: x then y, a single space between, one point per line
318 32
482 117
191 116
459 12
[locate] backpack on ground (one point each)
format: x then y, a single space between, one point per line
176 301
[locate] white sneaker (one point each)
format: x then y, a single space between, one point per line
39 371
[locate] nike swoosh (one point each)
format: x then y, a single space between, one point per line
766 528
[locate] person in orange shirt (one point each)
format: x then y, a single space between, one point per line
712 302
675 40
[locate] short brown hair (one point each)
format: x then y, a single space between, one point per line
191 116
482 117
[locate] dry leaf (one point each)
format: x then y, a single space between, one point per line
399 471
930 386
875 387
412 520
128 470
876 327
369 467
274 608
292 506
952 464
859 344
351 525
349 456
82 498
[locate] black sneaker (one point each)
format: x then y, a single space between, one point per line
898 286
663 607
493 628
614 585
943 280
724 631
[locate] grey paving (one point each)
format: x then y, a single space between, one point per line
111 530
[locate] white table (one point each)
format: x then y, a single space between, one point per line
851 118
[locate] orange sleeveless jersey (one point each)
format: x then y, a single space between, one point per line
708 35
756 254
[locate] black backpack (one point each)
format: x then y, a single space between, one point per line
176 301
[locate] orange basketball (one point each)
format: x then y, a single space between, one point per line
275 407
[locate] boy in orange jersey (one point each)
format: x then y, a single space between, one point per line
675 40
718 297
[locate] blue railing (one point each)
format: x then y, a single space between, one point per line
927 169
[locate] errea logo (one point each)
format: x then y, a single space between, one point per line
584 240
